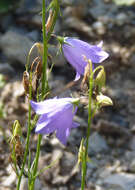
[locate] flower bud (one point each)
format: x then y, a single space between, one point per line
104 100
81 152
17 128
100 78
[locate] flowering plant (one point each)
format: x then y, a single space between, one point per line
56 114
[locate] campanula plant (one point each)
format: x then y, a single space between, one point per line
55 115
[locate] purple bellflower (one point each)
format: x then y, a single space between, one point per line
56 115
75 50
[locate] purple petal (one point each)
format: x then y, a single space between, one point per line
75 110
97 55
60 121
66 123
49 105
77 77
75 50
62 135
100 44
90 51
43 126
75 124
74 57
52 120
57 116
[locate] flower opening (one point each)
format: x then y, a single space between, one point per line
74 51
56 115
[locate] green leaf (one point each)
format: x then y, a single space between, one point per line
124 2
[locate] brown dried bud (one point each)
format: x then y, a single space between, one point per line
85 81
49 21
35 61
39 69
26 82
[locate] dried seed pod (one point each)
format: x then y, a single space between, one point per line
85 81
16 147
38 74
19 152
49 21
26 82
35 61
39 69
17 155
36 70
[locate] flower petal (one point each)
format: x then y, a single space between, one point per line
90 51
74 51
62 135
73 55
97 55
51 121
66 123
100 44
49 105
57 117
75 124
77 77
43 126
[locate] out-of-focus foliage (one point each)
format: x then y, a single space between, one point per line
2 112
6 5
2 81
124 2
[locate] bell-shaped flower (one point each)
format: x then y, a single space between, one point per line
56 115
75 51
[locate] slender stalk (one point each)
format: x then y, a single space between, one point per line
44 79
36 162
28 136
84 162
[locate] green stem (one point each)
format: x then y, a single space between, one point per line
84 163
28 135
36 161
44 79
